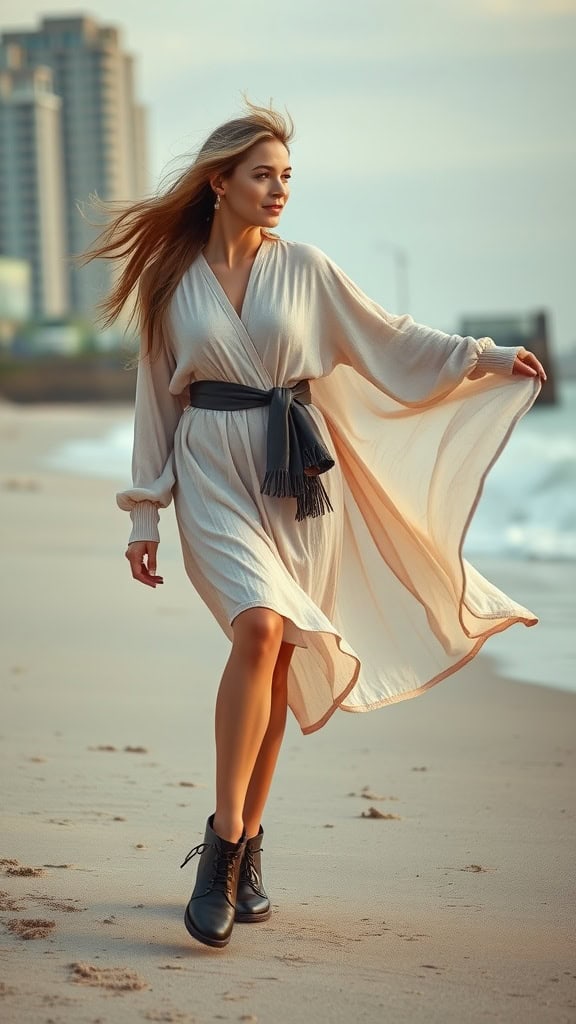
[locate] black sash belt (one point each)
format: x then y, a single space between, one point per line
293 442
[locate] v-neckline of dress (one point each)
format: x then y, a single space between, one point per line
221 290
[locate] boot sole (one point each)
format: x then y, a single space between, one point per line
205 939
252 918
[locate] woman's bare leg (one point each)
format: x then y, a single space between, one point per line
261 778
243 709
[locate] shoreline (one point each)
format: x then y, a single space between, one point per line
455 909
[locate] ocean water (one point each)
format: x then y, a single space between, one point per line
108 456
527 509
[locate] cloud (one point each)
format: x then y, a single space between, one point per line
529 8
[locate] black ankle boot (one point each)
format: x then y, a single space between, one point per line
252 903
209 916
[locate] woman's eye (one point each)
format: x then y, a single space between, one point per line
264 174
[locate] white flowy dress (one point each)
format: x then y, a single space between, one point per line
375 595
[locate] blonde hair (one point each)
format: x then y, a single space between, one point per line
158 238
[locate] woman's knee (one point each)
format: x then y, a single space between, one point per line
259 631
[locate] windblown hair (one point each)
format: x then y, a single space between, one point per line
157 239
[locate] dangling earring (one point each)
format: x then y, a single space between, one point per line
217 203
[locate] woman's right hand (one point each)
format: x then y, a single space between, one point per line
527 365
142 557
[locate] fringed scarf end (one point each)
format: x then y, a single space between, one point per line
316 455
309 491
278 484
313 501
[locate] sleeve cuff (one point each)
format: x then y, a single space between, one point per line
145 520
497 359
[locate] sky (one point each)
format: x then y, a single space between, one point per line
435 151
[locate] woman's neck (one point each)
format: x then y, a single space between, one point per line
230 245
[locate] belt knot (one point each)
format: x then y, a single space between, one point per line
293 444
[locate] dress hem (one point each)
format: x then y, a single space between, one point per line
306 730
339 705
409 694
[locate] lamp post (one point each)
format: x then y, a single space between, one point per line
401 273
402 279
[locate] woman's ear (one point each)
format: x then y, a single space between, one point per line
216 183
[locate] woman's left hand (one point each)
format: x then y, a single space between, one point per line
527 365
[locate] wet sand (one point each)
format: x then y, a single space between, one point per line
419 858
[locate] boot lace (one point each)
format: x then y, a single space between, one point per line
195 849
223 864
249 870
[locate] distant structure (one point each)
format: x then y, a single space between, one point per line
15 297
69 126
32 183
528 329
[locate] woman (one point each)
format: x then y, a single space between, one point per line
325 458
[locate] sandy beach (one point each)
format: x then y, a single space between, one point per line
420 858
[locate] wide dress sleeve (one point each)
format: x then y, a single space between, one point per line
416 417
156 415
410 362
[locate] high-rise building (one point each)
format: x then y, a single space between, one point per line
32 225
103 136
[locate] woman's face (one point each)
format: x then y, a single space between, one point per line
258 188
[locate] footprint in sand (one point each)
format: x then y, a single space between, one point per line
15 869
368 794
8 903
293 958
25 872
373 812
64 906
57 1000
171 1016
116 979
474 869
109 748
30 927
